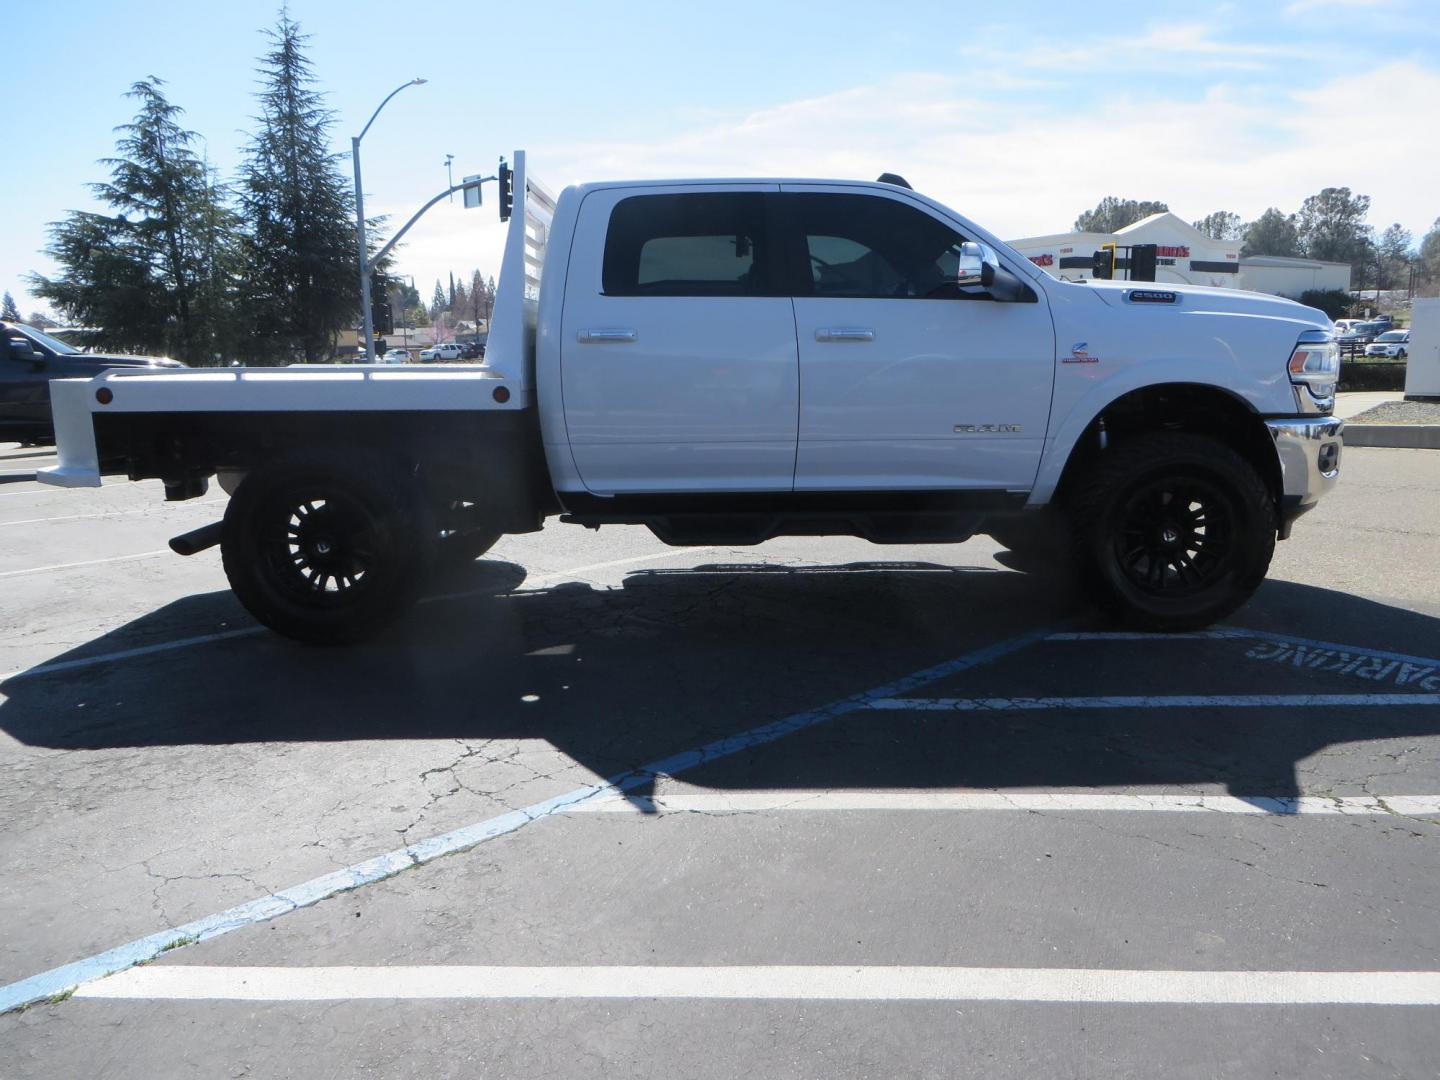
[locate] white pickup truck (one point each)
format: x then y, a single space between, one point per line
725 361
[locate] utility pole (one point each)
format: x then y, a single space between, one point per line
367 321
449 177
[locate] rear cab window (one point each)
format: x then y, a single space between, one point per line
700 244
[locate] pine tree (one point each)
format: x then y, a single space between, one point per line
437 302
8 311
300 262
154 276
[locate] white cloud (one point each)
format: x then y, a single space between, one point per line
1300 7
1020 168
1157 48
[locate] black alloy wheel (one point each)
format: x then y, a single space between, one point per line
1175 535
320 546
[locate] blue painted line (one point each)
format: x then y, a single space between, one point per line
59 980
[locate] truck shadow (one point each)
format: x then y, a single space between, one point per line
676 658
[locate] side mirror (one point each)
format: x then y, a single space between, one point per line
23 350
977 265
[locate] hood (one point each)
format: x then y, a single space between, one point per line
1204 298
113 360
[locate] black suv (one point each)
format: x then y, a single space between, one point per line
29 360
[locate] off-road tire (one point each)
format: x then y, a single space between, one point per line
344 568
1172 531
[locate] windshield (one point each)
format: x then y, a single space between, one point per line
55 345
1392 335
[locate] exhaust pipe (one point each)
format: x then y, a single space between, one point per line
197 540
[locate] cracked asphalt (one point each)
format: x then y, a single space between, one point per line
163 760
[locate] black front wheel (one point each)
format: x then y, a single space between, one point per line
1173 531
327 547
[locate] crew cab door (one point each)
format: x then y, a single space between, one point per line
678 360
907 383
25 375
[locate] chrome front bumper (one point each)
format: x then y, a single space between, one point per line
1309 451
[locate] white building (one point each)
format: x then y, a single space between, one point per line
1184 255
1291 277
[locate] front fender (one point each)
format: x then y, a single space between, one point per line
1066 430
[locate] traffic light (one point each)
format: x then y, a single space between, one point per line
1103 264
507 190
1142 262
381 319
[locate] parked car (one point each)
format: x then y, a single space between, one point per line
1391 343
29 360
1344 326
472 350
447 351
1355 339
395 356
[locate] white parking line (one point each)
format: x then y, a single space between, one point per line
47 489
250 631
1167 701
59 980
818 983
116 513
87 562
681 799
127 654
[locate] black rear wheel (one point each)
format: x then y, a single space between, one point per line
1173 531
327 547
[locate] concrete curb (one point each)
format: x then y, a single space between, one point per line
1400 436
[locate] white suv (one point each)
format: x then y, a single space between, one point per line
1390 343
449 351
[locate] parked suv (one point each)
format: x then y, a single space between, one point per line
29 359
448 351
1391 343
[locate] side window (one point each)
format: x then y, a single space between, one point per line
870 246
705 244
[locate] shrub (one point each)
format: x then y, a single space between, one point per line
1333 302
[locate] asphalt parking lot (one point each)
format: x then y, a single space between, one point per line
813 809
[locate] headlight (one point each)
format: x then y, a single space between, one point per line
1315 364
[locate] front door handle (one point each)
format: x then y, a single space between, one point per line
844 333
609 335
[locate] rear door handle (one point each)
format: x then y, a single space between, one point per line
609 335
844 333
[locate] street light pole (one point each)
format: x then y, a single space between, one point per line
360 224
449 176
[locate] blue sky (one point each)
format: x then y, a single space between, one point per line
1019 119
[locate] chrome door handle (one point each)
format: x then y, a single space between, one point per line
844 333
600 337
